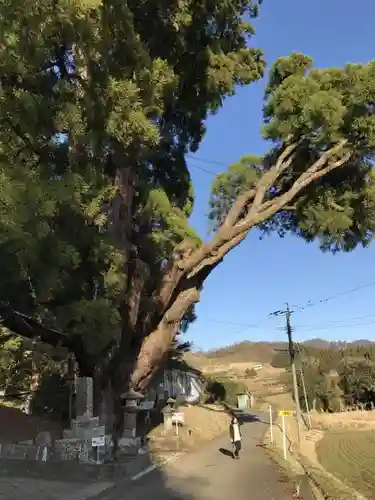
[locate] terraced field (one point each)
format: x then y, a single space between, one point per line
350 456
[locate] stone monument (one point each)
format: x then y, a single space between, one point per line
89 441
84 389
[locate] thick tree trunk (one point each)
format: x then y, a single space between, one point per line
152 356
108 387
151 323
154 349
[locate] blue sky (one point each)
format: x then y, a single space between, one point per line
260 276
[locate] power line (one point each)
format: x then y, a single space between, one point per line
348 323
230 323
335 296
202 169
335 322
353 325
208 161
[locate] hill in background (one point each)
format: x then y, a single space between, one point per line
251 353
235 362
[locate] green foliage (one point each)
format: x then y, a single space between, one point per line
15 365
335 377
315 110
358 382
101 101
227 186
52 397
223 390
89 89
215 390
281 360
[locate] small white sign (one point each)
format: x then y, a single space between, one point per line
178 418
98 441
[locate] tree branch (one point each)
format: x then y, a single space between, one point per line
182 303
155 347
312 174
237 207
28 327
228 237
163 293
268 179
218 255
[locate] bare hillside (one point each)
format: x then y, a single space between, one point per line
250 353
243 352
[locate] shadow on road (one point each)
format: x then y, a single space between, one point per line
154 485
226 452
248 418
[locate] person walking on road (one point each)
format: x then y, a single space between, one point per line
235 436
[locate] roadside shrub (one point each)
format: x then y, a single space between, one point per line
223 390
280 360
250 373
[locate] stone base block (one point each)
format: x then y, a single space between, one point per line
85 422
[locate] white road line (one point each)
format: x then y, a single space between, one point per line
153 467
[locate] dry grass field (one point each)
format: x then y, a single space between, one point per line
327 483
354 420
248 353
350 456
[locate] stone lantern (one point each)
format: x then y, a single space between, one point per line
131 401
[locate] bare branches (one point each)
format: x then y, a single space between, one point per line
284 161
28 327
238 206
219 254
182 303
231 233
313 173
317 170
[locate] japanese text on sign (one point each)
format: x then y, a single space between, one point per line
284 413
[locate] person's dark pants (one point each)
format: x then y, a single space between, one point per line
237 449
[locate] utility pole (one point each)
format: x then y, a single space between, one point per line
305 396
292 355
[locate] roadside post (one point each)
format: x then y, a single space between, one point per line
283 414
271 424
97 443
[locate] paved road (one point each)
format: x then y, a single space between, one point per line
210 474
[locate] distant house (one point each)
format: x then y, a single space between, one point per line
183 385
245 400
179 381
